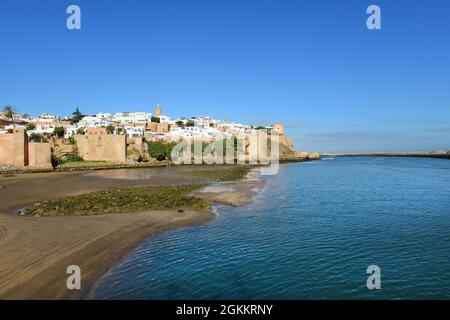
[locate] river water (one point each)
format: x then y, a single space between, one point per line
310 233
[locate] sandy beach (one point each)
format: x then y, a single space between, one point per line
35 251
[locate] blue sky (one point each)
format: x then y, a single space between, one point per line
312 65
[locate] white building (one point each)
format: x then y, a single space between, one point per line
105 116
70 131
124 117
202 122
206 134
134 132
21 117
142 117
45 117
90 121
132 117
43 129
164 119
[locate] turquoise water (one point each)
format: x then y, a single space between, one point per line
310 234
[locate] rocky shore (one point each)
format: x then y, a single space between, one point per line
106 165
299 157
10 170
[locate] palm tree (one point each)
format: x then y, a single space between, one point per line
9 113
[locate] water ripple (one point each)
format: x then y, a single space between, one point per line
311 233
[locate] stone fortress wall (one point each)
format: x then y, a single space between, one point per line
16 150
102 147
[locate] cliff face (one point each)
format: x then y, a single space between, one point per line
287 151
62 148
283 139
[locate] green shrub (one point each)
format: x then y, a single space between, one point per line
157 150
110 129
161 150
74 158
30 127
59 132
55 160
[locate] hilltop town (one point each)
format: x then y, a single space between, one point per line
105 139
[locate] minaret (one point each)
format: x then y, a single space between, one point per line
158 111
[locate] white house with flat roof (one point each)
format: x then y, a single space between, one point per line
134 132
131 117
90 121
103 115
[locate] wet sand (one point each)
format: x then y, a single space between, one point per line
25 189
36 251
235 194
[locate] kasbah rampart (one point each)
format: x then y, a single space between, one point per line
47 142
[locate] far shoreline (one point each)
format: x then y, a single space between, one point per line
418 154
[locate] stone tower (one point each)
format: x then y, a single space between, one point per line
158 111
278 128
20 147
